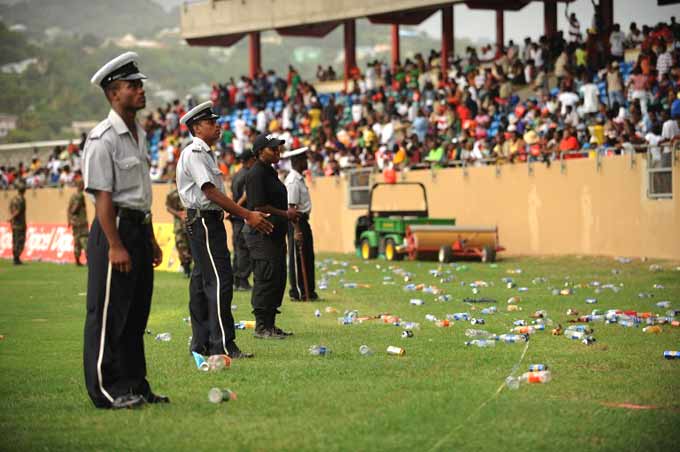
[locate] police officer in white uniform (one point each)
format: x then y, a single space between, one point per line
201 190
300 238
121 250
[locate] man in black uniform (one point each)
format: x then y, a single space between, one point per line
267 194
201 190
121 250
242 265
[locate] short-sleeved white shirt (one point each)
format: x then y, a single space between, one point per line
114 162
298 193
196 167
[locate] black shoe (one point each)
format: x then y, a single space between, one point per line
187 270
280 332
156 398
18 262
238 354
127 401
267 333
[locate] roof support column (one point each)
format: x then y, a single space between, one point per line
254 52
500 31
447 38
395 47
350 47
549 18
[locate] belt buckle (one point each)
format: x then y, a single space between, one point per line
147 218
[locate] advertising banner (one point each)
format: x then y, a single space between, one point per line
54 243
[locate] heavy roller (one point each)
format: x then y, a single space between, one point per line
398 225
448 242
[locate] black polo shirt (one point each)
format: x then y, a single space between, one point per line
263 187
238 186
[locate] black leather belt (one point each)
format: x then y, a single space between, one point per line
196 213
304 215
135 216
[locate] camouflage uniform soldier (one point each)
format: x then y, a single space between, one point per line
77 220
17 210
174 205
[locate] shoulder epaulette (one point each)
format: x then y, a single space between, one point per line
99 129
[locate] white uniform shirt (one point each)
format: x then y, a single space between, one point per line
114 162
195 168
298 193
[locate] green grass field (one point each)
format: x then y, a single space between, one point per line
440 396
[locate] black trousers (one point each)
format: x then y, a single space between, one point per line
118 307
242 265
210 288
268 255
296 279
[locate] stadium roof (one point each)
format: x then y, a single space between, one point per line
224 22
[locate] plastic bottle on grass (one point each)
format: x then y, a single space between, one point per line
512 338
365 350
470 332
218 395
543 376
481 343
164 337
671 354
397 351
318 350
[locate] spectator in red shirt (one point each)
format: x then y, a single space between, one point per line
569 141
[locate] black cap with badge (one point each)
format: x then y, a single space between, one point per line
266 141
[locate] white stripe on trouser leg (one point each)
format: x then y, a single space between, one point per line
107 297
217 277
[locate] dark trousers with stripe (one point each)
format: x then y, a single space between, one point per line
210 289
118 307
296 279
268 254
242 265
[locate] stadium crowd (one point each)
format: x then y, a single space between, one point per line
593 91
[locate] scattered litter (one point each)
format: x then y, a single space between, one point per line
470 332
542 376
445 323
656 329
201 363
658 286
591 300
624 260
479 300
319 350
513 338
514 308
664 304
330 310
489 311
537 367
416 302
481 343
406 334
217 395
459 316
671 354
365 350
397 351
164 337
655 268
317 313
514 300
476 321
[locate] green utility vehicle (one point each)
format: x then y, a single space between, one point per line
392 208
